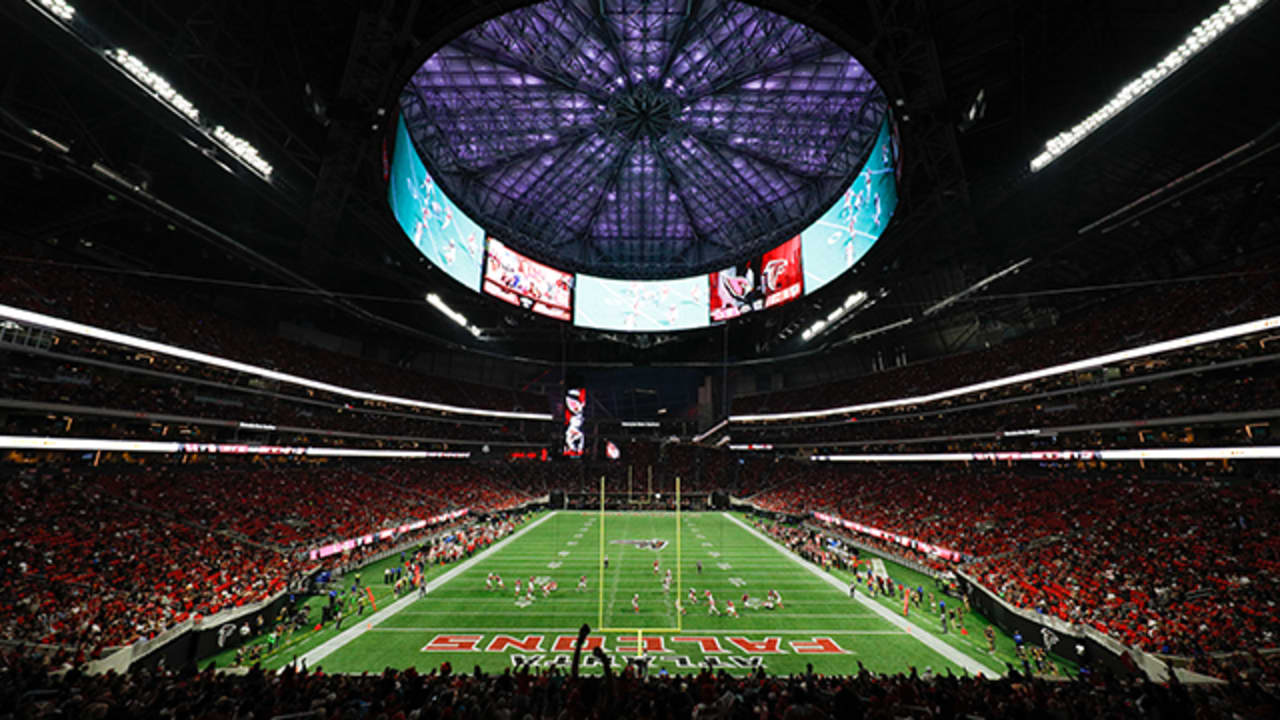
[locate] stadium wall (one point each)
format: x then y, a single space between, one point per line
1081 644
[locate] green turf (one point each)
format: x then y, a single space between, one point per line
567 545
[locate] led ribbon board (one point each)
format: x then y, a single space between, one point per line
440 231
69 326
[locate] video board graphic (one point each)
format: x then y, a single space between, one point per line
439 230
575 413
847 231
529 284
782 273
773 279
640 305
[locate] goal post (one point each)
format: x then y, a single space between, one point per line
600 585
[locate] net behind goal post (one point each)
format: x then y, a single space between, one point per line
604 578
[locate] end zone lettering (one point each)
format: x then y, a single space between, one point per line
627 645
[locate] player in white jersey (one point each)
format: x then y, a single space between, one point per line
681 608
635 603
711 605
582 583
730 610
666 585
693 596
488 582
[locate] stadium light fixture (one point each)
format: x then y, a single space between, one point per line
244 151
877 331
834 317
69 326
1227 15
952 299
1270 452
1269 323
61 10
435 302
159 88
43 444
154 83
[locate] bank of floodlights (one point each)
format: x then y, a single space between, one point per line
1226 16
155 85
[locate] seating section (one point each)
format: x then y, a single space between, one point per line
105 560
101 301
441 693
1185 566
1232 389
1159 313
84 568
33 378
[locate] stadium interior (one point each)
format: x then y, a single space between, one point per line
955 323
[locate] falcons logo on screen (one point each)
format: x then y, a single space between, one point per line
773 270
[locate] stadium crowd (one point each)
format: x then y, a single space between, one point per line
1237 389
1185 566
66 381
1141 317
101 301
624 693
91 561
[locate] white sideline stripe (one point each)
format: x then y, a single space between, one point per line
661 633
911 628
362 626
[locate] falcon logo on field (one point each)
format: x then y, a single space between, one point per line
651 544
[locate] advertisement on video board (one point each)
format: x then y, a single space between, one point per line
516 279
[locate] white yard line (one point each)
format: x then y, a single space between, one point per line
911 628
750 613
363 625
827 632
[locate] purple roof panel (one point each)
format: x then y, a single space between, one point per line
642 138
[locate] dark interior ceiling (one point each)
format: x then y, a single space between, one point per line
318 245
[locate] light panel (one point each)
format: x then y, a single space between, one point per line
1270 452
1226 16
48 444
1187 341
435 302
159 88
63 11
69 326
155 83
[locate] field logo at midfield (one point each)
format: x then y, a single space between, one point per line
651 544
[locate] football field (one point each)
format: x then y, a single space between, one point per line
467 624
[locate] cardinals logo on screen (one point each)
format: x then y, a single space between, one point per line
612 451
575 437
